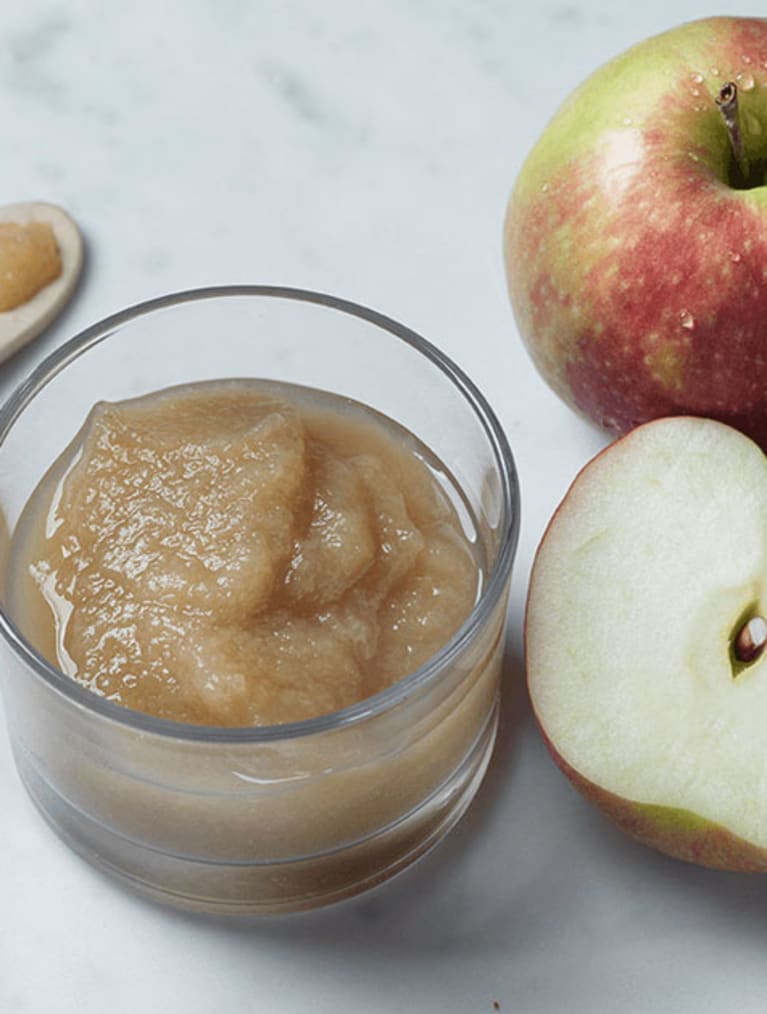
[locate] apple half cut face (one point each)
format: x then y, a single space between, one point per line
645 639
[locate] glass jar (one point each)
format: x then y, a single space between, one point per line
283 817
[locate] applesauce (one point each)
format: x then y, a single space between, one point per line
241 553
246 819
29 260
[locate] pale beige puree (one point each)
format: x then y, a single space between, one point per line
231 553
29 260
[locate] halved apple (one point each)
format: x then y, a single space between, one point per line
645 639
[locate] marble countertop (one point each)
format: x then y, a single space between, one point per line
367 150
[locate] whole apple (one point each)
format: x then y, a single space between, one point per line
646 639
636 235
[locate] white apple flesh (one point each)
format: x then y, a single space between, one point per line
645 639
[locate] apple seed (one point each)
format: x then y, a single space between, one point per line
750 640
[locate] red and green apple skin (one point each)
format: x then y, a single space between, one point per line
637 272
673 831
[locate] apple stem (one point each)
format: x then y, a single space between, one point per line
727 100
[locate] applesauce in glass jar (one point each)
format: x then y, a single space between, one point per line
241 553
184 781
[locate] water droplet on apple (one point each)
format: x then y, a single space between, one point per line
686 319
715 71
746 82
627 121
696 92
746 59
544 187
735 256
697 78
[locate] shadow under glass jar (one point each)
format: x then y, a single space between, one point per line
283 817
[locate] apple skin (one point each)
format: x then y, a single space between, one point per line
676 832
637 274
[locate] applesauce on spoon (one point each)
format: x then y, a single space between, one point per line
240 553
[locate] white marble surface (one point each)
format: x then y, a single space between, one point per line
364 149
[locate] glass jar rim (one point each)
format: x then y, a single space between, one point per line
369 707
